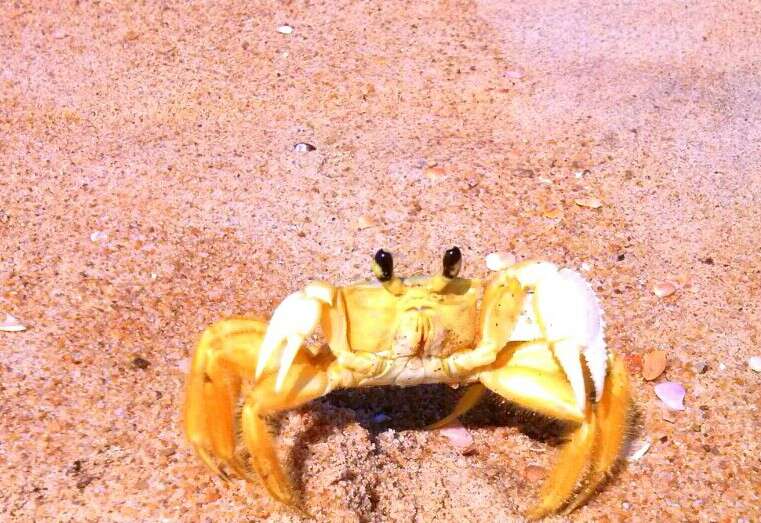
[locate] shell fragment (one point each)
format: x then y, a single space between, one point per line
499 261
11 324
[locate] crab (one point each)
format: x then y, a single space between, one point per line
533 335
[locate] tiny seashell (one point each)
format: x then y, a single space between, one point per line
457 435
304 147
553 213
754 362
591 203
11 324
671 394
97 236
499 261
653 364
434 173
642 449
285 29
664 288
668 415
365 222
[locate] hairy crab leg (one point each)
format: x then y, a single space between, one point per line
226 354
613 419
307 379
531 378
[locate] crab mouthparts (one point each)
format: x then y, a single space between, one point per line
415 334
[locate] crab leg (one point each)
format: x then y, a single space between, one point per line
502 303
226 355
468 400
530 377
307 379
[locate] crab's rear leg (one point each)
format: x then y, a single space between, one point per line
308 378
226 355
529 376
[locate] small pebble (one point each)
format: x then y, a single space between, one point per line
499 261
553 213
457 435
364 222
586 267
591 203
285 29
11 324
653 364
434 173
304 147
700 367
671 394
4 217
580 174
668 415
755 363
140 363
664 288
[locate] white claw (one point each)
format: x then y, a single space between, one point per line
292 321
271 342
573 319
286 360
569 356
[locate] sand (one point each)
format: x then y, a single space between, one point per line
149 186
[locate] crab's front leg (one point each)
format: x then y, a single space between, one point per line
562 310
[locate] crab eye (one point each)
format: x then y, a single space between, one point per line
383 265
452 262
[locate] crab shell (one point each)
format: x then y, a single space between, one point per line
533 334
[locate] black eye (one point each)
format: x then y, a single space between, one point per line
384 265
452 262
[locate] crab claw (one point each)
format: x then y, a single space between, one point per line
573 323
292 322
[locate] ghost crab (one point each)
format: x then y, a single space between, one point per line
533 335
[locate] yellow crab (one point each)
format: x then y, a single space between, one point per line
533 335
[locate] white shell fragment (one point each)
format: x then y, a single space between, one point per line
499 261
285 29
304 147
664 288
590 203
11 324
754 362
97 236
642 449
671 394
457 435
